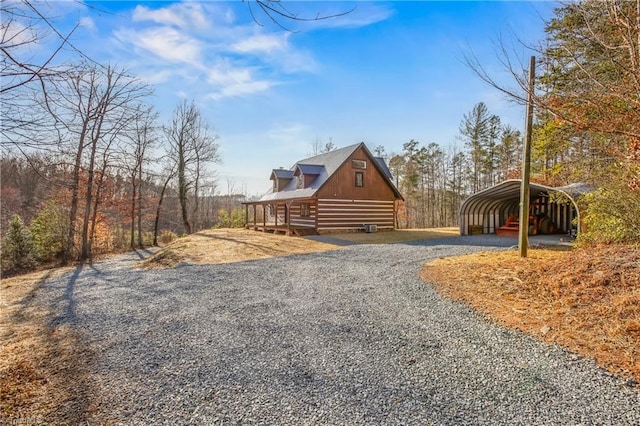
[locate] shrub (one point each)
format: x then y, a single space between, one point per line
166 237
234 219
612 215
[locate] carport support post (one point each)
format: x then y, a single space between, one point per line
523 235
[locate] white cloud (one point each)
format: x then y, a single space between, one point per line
231 82
276 50
165 43
241 89
16 34
363 15
182 15
165 16
87 22
340 15
261 43
225 60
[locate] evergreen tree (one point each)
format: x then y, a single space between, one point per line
475 130
18 251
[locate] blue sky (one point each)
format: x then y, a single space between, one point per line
385 73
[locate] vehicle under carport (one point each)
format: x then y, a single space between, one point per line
495 210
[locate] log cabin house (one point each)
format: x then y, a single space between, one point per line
344 190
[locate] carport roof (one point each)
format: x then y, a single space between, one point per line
511 189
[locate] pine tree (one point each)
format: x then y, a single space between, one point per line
18 251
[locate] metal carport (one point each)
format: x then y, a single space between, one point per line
489 209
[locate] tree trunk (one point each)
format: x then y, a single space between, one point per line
159 208
140 241
133 211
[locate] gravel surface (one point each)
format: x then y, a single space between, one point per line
351 336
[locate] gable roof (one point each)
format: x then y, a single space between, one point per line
324 166
281 174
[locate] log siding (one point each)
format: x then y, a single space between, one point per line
344 214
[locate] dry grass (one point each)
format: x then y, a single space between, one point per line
230 245
43 369
587 300
237 245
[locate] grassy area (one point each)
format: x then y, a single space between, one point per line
587 300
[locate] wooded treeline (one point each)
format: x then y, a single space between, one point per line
435 180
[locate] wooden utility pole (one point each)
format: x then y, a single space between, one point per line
523 236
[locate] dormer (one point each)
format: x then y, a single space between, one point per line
281 178
306 174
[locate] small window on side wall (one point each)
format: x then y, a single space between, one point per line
305 210
359 179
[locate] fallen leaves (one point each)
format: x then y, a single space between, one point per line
586 299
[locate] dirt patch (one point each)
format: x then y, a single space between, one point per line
43 366
587 300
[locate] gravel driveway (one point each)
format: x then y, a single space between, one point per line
350 336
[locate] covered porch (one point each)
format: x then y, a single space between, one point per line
289 217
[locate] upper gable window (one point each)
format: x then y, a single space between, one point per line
359 179
300 182
359 164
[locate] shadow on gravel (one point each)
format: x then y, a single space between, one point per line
143 253
66 360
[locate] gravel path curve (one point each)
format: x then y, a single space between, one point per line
344 337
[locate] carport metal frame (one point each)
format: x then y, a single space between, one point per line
490 207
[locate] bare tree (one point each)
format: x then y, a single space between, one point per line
140 139
319 148
24 24
192 146
27 75
92 110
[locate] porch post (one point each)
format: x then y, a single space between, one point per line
255 217
246 216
